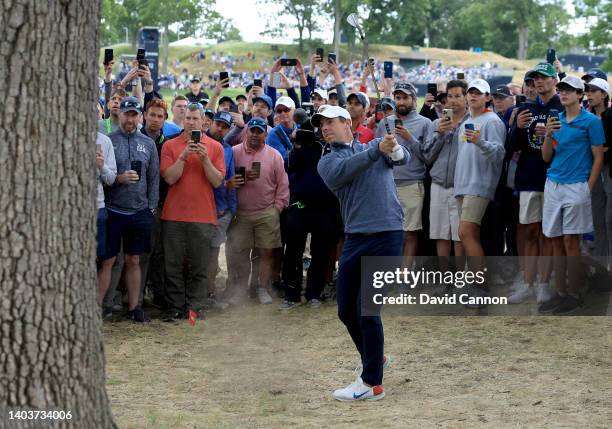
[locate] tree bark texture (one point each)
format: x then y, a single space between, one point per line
51 351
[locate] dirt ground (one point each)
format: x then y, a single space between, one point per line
258 367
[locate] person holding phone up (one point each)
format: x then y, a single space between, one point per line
193 165
130 202
574 147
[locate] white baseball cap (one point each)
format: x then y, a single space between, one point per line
572 82
329 112
599 83
285 101
321 92
481 85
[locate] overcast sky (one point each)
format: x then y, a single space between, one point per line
245 15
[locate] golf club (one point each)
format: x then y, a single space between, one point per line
353 20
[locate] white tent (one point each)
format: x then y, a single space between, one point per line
193 41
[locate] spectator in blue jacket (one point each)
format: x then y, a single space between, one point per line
282 134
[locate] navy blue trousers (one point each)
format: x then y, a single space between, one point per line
366 332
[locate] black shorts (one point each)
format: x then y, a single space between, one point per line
133 230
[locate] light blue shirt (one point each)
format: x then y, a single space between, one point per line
572 157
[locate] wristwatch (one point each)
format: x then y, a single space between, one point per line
148 82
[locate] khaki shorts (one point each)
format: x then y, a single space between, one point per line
411 199
261 231
443 214
472 208
531 206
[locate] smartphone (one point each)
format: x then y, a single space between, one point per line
108 56
554 113
331 57
195 136
379 113
98 148
140 56
469 127
258 82
551 56
399 123
233 108
520 98
223 76
276 79
137 167
460 75
288 62
308 107
320 53
256 167
432 89
241 171
388 68
372 61
448 113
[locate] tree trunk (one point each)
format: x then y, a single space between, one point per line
166 48
51 351
301 38
523 36
337 22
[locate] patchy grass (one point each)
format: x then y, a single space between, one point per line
257 367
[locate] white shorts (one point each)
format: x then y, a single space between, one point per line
567 209
531 205
443 214
221 228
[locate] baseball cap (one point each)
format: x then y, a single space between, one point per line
258 123
329 112
596 73
332 92
405 87
502 90
361 97
224 117
527 76
598 83
130 104
241 96
321 92
209 113
226 98
545 69
285 101
265 99
196 79
386 101
481 85
571 82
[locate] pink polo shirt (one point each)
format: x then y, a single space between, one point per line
271 189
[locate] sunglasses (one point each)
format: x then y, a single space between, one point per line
282 110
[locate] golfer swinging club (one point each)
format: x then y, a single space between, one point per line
361 177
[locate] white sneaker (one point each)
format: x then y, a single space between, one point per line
264 296
520 294
314 304
357 391
543 293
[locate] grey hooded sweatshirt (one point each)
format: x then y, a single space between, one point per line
479 165
421 130
441 155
